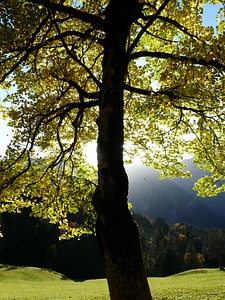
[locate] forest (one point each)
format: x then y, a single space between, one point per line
166 249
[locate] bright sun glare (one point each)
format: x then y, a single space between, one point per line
91 153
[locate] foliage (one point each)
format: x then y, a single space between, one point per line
51 53
59 192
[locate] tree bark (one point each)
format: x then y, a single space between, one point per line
117 233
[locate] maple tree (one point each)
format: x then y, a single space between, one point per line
144 72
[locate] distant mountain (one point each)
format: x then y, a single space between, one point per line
174 199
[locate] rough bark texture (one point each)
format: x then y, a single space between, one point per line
117 232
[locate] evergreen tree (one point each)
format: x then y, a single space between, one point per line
214 248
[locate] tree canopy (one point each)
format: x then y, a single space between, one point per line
66 61
51 52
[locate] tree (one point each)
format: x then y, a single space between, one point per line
169 259
214 247
161 222
26 240
145 72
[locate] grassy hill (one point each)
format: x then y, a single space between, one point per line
34 283
198 284
20 283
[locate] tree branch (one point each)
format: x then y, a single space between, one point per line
137 90
89 95
94 20
20 50
177 25
170 21
149 23
20 173
67 108
28 50
74 57
181 58
169 93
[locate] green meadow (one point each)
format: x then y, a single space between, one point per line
37 284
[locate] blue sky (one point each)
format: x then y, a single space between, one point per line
210 12
209 19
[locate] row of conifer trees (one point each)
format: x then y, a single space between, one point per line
167 249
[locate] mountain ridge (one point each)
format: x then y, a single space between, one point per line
173 198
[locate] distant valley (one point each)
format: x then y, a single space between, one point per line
174 199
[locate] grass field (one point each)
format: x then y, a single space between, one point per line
39 284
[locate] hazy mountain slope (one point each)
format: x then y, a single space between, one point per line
174 198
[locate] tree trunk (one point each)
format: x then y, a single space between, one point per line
117 233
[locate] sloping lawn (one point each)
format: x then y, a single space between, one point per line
200 284
37 284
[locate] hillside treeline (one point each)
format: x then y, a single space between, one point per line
166 249
169 249
28 241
